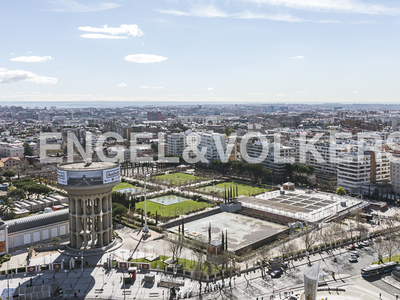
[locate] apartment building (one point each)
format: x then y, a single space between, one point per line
10 163
380 167
278 156
11 150
207 142
395 174
354 171
176 143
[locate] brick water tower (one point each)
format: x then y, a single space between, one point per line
89 187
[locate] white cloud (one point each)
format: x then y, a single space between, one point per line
299 57
12 54
257 94
102 36
328 21
340 6
280 95
355 92
210 89
122 84
144 58
151 87
173 12
31 58
9 76
106 32
279 17
210 11
74 6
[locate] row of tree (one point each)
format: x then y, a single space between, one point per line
241 168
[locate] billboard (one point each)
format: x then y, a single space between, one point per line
62 177
88 178
111 175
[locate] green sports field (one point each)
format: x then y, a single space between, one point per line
243 189
178 178
180 208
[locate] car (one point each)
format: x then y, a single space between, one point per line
358 245
354 253
275 260
365 243
353 259
352 247
276 273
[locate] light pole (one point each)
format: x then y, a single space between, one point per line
123 270
82 261
145 228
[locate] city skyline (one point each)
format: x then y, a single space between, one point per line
271 51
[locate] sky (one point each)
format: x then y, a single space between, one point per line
231 51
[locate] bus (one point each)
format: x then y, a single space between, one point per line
378 269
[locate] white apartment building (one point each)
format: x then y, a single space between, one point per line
277 158
395 174
208 142
353 171
11 150
176 143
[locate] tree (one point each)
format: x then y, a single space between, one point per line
175 245
27 150
391 246
119 209
264 254
7 206
341 191
9 174
309 238
16 193
379 249
282 247
228 130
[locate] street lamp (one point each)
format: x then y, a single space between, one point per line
145 228
123 270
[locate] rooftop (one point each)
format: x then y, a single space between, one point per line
37 220
83 166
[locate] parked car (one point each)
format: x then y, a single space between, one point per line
358 245
353 259
351 247
276 273
365 243
354 253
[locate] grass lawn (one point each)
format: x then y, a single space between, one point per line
186 263
181 208
243 189
395 258
122 185
178 178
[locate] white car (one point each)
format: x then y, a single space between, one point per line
353 259
354 253
365 243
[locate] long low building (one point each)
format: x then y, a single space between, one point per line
36 229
